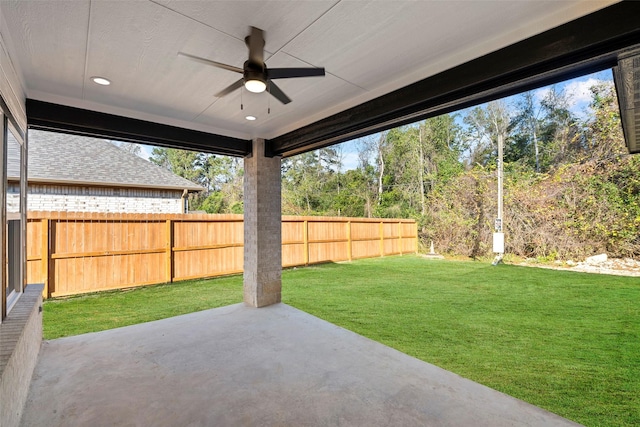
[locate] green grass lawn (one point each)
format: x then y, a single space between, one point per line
568 342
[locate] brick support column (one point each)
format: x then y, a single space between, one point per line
262 228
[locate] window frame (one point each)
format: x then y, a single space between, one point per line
19 231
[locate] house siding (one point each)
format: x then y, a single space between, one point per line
95 199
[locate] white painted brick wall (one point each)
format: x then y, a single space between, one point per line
93 199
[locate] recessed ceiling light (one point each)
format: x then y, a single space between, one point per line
101 81
251 118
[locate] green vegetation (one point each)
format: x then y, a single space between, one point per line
565 341
568 342
113 309
570 188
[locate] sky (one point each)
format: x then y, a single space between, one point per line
578 88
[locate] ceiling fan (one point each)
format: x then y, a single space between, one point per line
256 77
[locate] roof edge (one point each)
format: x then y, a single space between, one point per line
192 189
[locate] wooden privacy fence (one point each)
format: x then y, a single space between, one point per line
74 253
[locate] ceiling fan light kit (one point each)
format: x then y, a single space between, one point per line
256 77
255 86
254 81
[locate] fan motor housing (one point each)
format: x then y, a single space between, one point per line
253 71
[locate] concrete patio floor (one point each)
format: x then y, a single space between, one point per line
241 366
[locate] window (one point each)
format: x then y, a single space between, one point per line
13 179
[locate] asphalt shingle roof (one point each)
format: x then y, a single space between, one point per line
64 158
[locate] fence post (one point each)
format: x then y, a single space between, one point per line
349 253
400 236
381 238
169 251
417 238
305 233
45 254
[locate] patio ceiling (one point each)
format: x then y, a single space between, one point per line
369 49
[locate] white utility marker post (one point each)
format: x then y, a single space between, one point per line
498 235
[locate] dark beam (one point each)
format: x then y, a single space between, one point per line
627 78
588 44
61 118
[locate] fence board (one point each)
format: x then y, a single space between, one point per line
87 252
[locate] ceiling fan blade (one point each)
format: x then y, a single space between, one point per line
255 41
278 93
212 63
287 73
230 88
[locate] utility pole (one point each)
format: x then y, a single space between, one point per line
498 235
500 177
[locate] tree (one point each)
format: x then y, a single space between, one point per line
525 144
603 130
411 162
309 182
484 124
129 147
560 130
222 176
184 163
379 147
367 179
441 149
